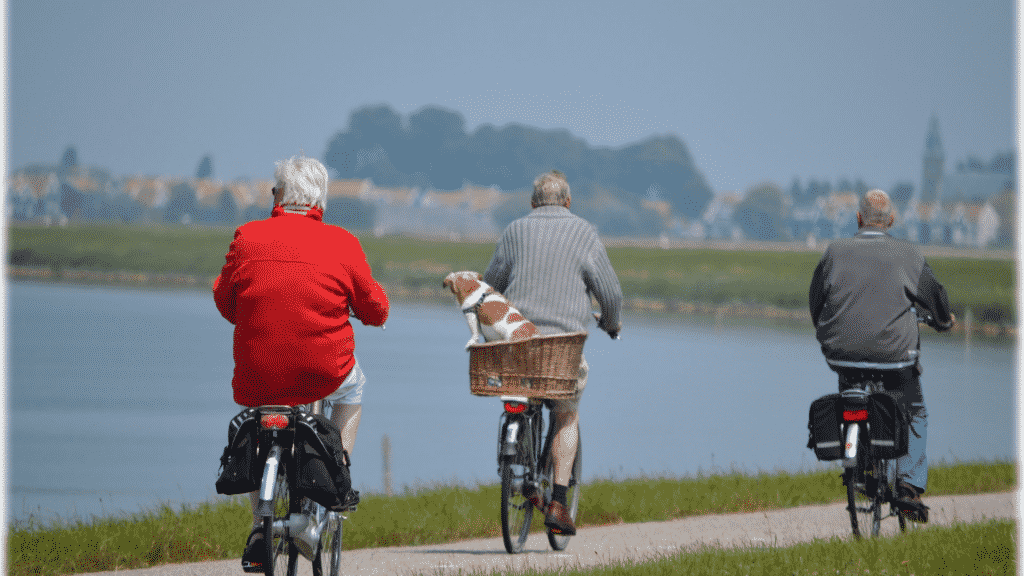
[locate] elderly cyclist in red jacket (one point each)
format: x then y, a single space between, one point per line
288 285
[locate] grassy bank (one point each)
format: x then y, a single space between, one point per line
670 278
976 549
439 514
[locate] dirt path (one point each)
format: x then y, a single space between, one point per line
607 544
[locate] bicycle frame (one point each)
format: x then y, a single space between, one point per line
520 416
300 529
527 471
868 479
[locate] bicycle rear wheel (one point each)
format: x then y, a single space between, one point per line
560 541
864 497
516 511
328 556
282 555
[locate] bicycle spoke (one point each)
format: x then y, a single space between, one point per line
516 510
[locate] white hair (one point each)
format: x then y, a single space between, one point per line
876 209
550 189
303 180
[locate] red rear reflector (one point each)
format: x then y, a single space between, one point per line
515 407
278 421
855 415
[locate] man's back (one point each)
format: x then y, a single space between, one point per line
862 295
547 262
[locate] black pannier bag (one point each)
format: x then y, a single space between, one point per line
825 428
239 470
887 421
323 464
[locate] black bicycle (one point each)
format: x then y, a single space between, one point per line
525 466
870 480
292 524
869 476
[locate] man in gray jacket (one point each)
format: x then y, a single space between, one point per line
863 297
549 263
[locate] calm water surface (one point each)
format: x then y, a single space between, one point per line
118 400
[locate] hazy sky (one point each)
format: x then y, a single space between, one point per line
757 90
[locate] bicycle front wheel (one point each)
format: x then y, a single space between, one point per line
560 541
864 497
328 557
516 510
517 469
282 555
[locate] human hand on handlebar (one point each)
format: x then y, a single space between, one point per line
614 333
925 317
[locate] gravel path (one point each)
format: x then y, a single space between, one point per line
607 544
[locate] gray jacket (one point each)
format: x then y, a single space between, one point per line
862 297
548 263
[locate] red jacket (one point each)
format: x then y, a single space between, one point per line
287 286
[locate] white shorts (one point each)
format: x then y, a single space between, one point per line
351 390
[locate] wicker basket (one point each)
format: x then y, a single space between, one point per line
540 367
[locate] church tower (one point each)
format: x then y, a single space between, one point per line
934 162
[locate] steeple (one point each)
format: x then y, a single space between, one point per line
934 163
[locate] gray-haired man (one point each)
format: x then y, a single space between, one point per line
549 263
862 299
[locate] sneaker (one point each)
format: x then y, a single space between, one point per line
255 552
908 500
558 520
531 493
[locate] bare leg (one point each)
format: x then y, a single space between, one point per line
563 445
346 418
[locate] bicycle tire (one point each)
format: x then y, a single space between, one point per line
327 561
516 510
864 497
282 555
560 541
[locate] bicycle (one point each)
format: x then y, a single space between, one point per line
524 461
292 524
870 480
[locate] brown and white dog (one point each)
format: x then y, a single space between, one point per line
487 311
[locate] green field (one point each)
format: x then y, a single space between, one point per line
431 515
702 276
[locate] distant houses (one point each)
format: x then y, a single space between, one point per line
965 217
970 208
952 223
56 196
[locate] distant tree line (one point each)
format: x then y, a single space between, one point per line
431 149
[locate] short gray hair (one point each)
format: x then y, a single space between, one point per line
550 189
876 209
303 180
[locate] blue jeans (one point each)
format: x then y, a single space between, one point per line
905 387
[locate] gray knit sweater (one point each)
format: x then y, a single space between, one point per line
548 263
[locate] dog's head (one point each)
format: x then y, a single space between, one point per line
462 284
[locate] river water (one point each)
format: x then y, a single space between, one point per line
118 400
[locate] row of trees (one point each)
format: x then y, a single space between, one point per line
432 149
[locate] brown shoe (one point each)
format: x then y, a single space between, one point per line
558 520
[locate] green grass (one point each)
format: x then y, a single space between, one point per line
988 548
986 286
438 514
